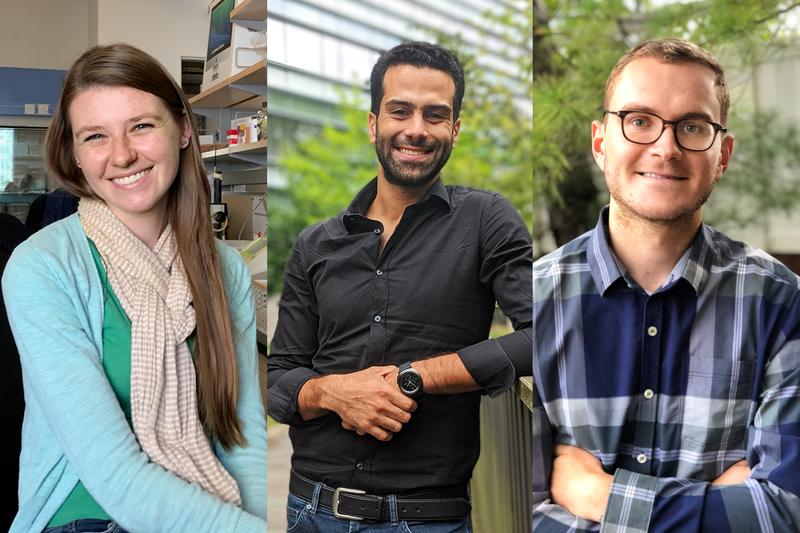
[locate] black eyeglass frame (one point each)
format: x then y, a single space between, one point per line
664 123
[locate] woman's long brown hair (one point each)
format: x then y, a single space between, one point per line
122 65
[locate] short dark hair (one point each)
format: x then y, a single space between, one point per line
422 55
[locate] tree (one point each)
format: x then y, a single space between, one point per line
324 172
494 149
577 44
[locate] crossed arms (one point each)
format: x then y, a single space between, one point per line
756 488
579 484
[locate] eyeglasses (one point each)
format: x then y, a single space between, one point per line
693 134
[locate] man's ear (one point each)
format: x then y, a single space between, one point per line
456 131
598 143
373 121
725 155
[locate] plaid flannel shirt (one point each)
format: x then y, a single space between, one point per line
668 390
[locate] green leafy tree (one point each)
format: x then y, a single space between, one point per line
576 43
324 172
494 149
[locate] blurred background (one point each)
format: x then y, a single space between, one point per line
214 49
320 55
758 43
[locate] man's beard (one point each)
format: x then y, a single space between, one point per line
406 173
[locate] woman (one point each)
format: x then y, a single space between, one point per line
135 326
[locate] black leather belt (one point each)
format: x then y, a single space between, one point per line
353 504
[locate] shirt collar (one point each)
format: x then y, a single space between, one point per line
694 266
354 217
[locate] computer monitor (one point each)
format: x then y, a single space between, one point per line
219 32
231 47
219 53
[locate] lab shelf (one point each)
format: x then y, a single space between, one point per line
245 90
251 154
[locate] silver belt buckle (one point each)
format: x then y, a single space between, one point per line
335 503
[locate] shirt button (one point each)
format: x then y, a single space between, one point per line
641 458
360 466
377 231
379 272
648 394
652 331
376 318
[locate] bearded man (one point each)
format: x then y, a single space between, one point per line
381 352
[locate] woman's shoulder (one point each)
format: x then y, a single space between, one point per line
231 261
58 237
60 243
227 253
53 265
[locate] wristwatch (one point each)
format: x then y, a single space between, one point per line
409 380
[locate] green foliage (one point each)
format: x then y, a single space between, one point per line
323 172
495 146
576 45
711 23
494 149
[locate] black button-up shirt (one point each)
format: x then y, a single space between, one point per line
347 306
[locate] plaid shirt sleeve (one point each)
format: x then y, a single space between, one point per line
547 516
768 501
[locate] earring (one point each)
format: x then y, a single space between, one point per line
184 142
78 163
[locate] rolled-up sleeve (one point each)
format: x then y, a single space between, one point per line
506 266
294 344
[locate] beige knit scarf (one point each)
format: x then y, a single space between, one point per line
153 289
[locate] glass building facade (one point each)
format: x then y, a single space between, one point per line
318 48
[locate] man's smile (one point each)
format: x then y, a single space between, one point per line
412 153
662 176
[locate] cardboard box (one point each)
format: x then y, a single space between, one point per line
248 133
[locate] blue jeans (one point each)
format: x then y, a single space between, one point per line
304 517
87 525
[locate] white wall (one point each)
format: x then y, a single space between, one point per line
165 29
53 33
47 34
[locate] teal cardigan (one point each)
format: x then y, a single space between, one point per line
74 427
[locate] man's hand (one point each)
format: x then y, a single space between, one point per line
578 482
734 475
364 401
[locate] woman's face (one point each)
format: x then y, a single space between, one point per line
127 144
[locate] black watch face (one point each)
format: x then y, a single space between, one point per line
410 383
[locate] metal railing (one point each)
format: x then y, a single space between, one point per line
501 486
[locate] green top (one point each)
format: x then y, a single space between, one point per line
117 365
